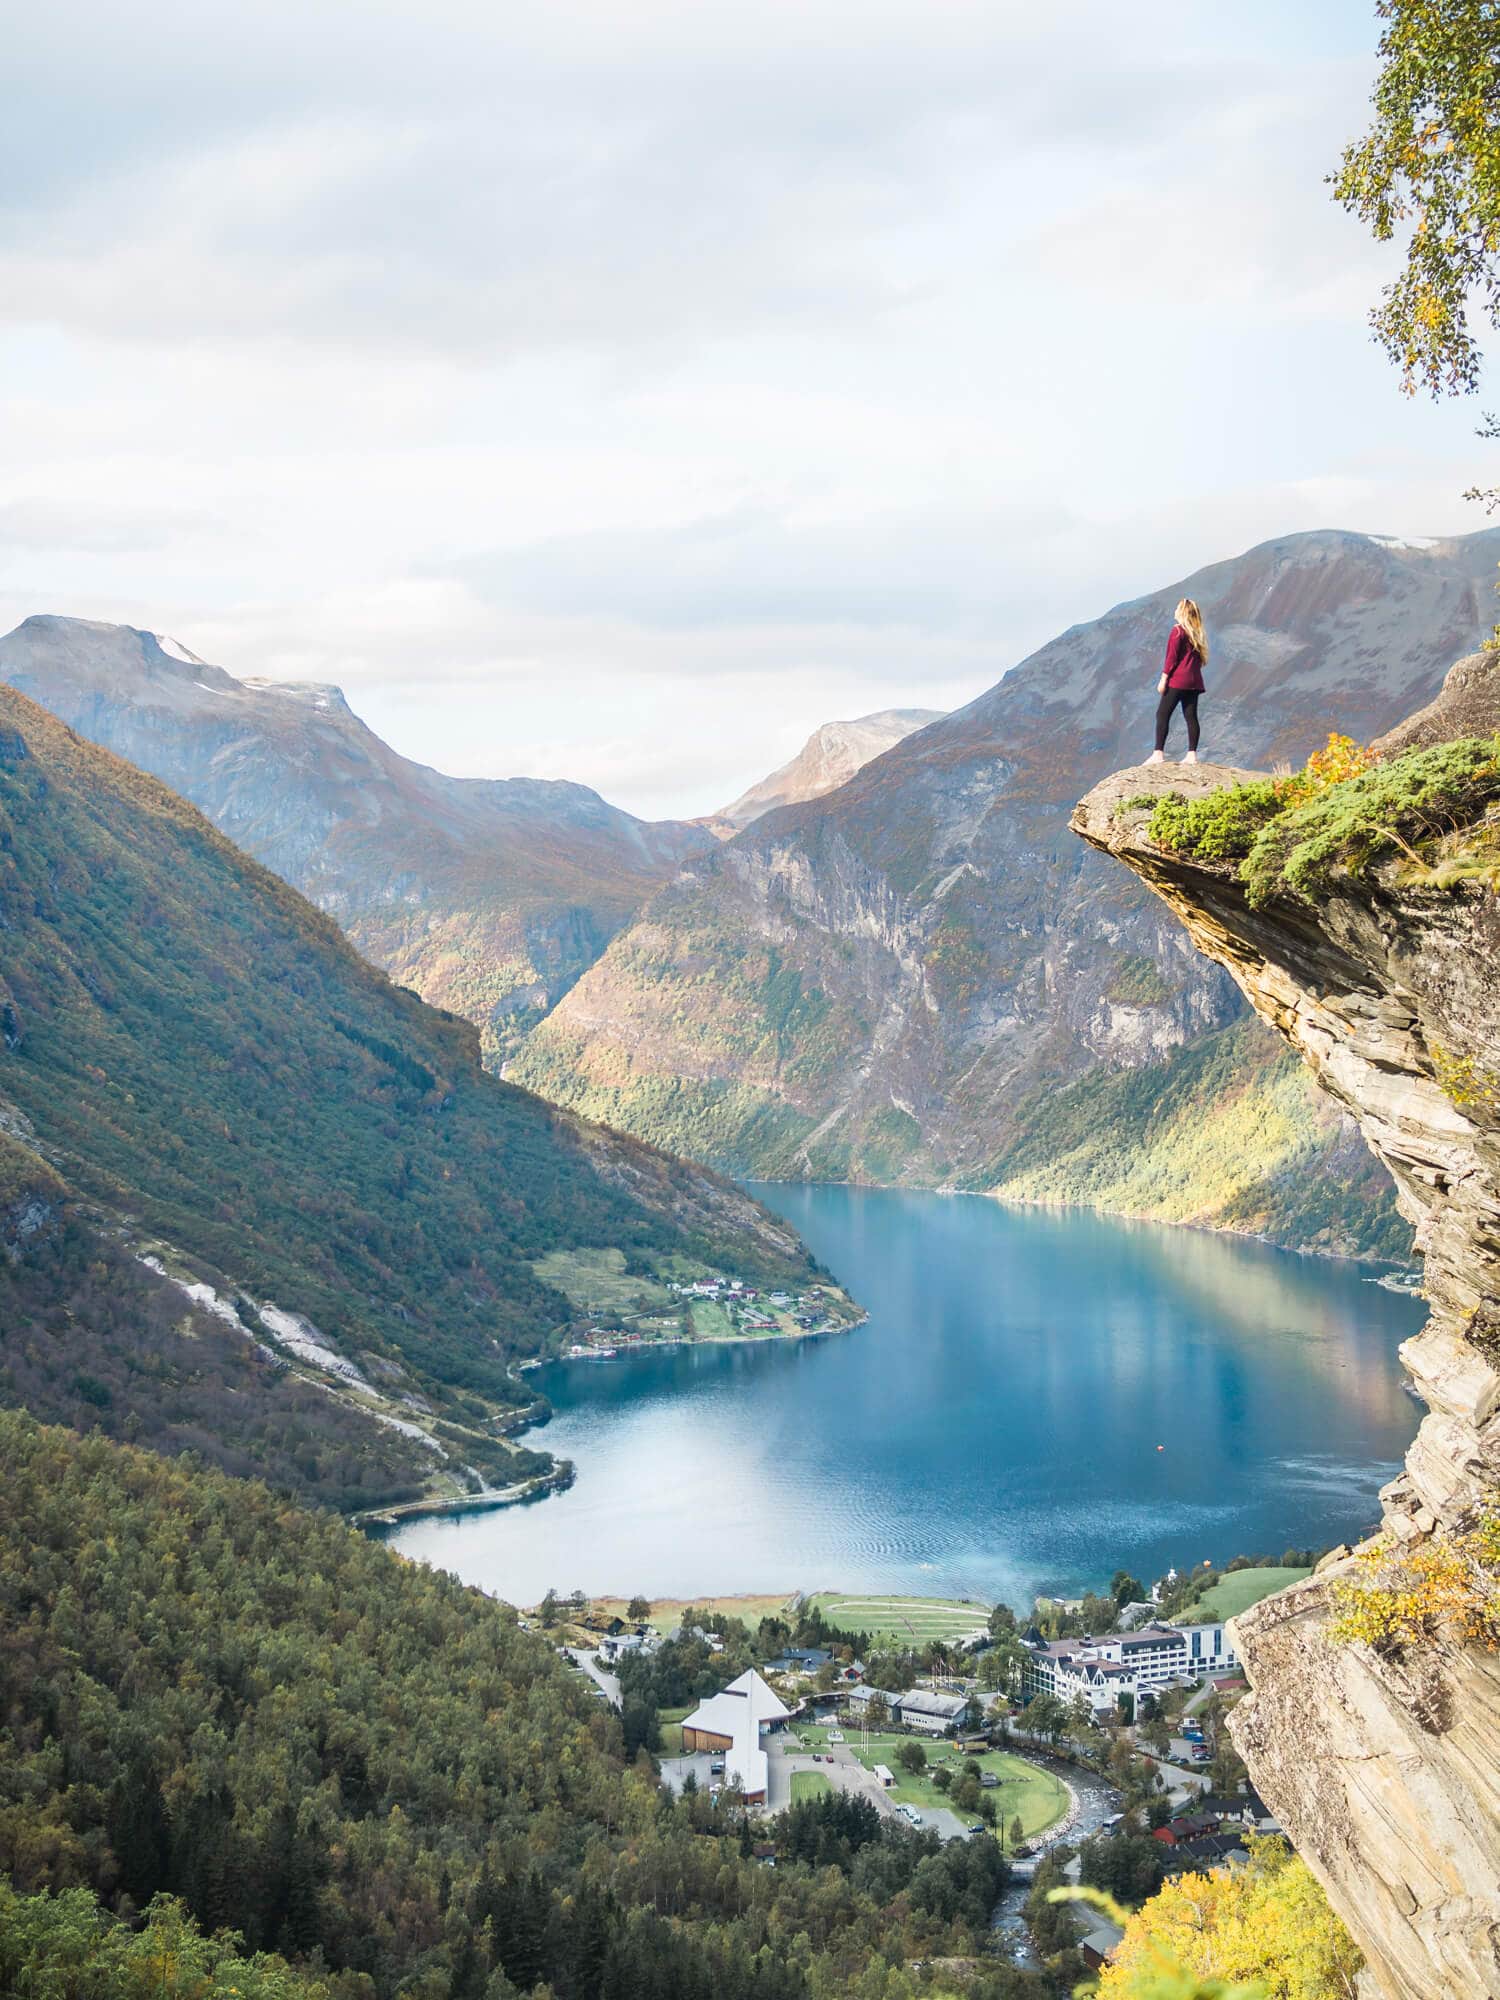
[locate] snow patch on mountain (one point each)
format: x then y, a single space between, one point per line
175 650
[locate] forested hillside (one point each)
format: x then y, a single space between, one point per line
360 1764
93 1337
222 1081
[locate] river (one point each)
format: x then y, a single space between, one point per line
1038 1397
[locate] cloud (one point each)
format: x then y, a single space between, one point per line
618 392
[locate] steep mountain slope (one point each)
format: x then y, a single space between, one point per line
488 896
897 981
200 1053
1380 965
829 758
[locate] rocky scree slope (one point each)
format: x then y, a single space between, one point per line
829 758
210 1067
1384 1765
922 978
488 896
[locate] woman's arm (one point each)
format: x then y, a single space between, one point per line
1176 640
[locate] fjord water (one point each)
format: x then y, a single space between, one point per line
1039 1397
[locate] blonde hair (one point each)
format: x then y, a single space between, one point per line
1190 618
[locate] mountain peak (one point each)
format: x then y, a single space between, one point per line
322 696
828 759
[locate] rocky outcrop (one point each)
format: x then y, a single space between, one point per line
1384 1769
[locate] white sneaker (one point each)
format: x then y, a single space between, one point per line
1191 757
1157 757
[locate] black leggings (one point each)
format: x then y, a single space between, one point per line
1189 699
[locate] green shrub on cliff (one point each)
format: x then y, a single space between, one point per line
1296 833
1393 808
1218 826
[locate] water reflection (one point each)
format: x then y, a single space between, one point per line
1038 1396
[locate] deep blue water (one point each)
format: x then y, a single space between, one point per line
992 1431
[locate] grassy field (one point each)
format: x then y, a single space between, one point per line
597 1279
906 1620
1026 1793
1236 1592
809 1785
666 1612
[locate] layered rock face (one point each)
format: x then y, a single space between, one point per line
1384 1770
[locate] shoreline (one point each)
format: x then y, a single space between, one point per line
557 1481
712 1340
1062 1204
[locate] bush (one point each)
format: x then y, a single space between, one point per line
1400 1595
1341 813
1413 798
1217 826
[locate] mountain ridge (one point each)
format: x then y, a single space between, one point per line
828 759
487 895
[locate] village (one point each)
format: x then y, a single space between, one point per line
699 1310
1019 1737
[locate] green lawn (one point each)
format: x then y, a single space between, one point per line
1236 1592
598 1278
671 1720
907 1620
1034 1796
811 1735
809 1785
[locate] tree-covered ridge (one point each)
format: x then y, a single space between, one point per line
359 1763
200 1048
1229 1132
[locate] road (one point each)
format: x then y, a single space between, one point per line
589 1664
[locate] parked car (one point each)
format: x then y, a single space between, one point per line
1191 1735
716 1768
977 1827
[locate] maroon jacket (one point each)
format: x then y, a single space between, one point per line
1183 669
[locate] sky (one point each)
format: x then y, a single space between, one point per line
618 391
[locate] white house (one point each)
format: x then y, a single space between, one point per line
731 1723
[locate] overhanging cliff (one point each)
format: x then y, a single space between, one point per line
1383 1766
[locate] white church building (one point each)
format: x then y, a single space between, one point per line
731 1724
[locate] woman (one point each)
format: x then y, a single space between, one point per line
1182 680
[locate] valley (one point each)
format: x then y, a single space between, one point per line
921 979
